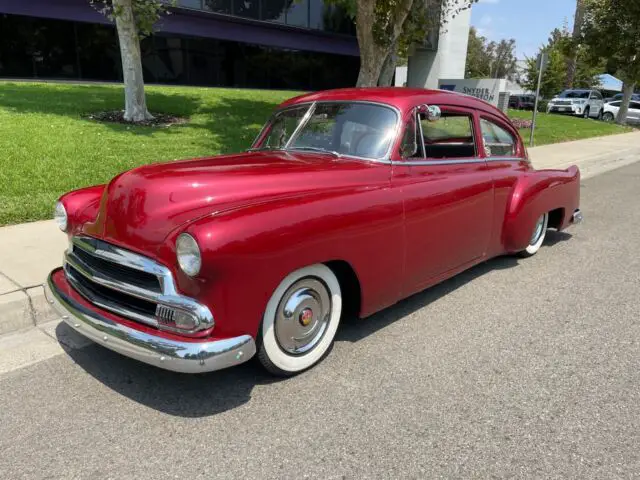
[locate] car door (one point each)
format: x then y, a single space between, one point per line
596 103
447 194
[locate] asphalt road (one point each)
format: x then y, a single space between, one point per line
517 368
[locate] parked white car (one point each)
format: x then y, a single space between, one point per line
584 103
611 111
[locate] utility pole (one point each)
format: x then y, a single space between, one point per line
542 63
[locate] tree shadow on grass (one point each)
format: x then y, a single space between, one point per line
208 394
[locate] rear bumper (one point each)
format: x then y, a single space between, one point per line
577 217
177 356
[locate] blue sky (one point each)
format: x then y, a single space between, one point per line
529 22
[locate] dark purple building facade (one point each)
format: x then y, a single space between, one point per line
280 44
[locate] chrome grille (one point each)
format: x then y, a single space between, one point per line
563 102
130 285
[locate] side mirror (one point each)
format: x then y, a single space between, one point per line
432 113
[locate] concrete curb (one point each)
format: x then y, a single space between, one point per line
24 308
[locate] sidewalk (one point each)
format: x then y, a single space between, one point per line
28 252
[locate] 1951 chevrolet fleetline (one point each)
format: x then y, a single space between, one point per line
353 198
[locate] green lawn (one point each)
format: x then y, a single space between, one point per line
48 148
555 128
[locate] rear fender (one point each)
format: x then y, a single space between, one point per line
535 193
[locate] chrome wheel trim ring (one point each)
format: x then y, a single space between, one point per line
302 316
537 231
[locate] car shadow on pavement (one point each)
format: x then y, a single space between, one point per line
553 237
208 394
177 394
355 329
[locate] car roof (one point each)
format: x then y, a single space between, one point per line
402 98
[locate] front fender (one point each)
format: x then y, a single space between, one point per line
247 252
537 192
82 206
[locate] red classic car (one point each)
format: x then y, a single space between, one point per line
348 200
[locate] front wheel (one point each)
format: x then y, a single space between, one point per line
608 117
586 112
537 238
300 321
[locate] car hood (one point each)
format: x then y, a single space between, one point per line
139 208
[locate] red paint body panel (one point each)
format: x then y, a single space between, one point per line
258 216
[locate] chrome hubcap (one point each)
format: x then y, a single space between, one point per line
303 315
537 232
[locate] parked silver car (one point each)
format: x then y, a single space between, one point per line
584 103
611 112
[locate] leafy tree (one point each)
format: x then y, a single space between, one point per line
490 59
385 27
612 31
554 78
134 20
478 62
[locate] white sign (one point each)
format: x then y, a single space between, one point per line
485 89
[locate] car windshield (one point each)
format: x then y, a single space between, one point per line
340 128
574 94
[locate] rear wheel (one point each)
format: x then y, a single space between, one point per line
300 321
608 117
537 237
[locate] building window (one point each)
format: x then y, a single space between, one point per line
298 13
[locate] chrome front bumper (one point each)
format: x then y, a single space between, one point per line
177 356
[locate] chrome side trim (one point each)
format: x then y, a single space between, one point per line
169 296
457 161
177 356
463 161
504 159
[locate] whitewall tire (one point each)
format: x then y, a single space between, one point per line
300 321
537 237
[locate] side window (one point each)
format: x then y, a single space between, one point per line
615 104
596 95
497 141
635 105
451 136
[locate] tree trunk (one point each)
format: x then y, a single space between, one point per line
134 99
627 90
572 60
373 54
388 68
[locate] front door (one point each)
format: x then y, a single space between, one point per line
448 196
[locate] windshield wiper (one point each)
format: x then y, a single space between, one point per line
317 149
268 147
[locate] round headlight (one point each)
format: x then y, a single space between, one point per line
60 216
188 254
